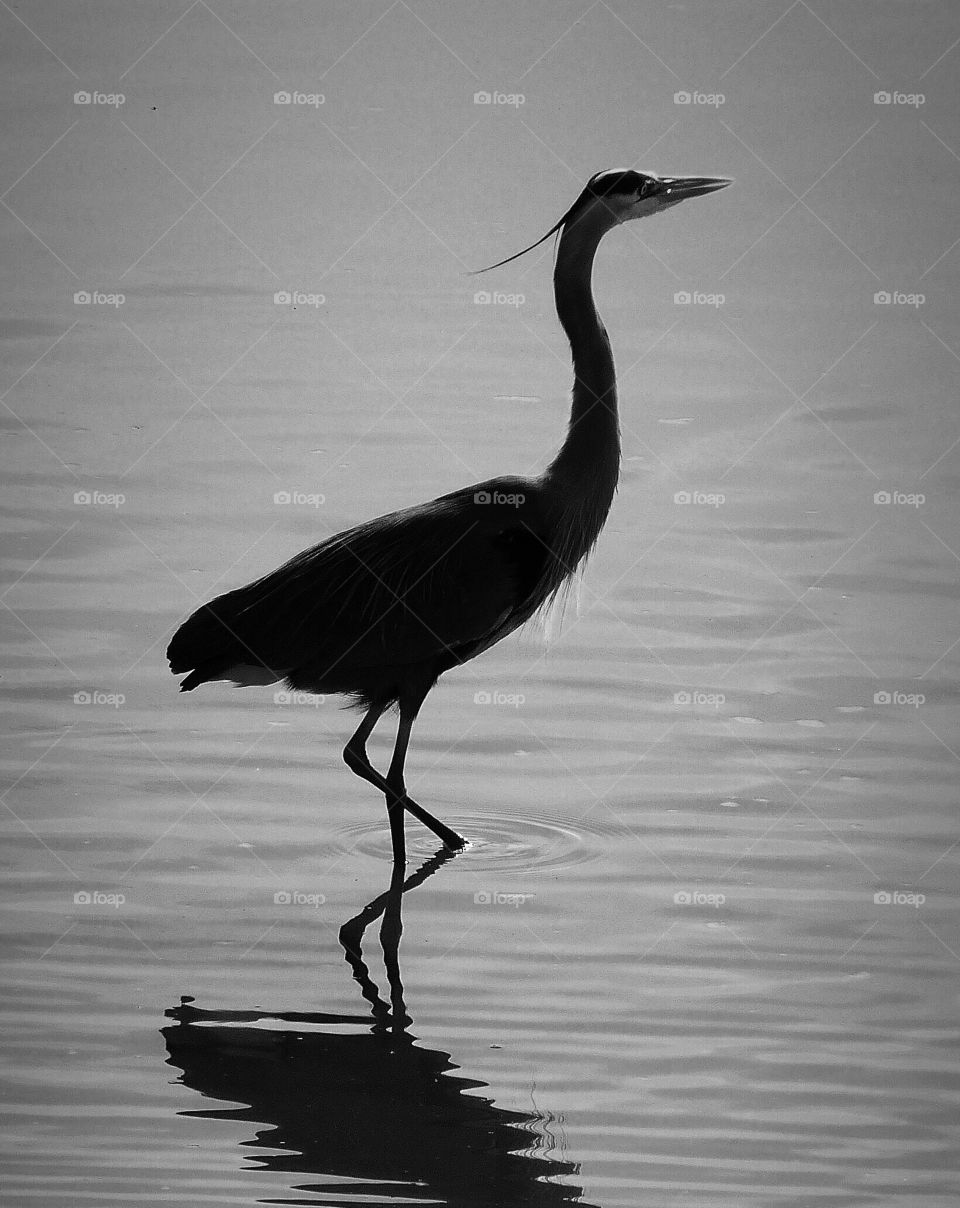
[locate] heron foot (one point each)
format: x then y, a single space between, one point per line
449 838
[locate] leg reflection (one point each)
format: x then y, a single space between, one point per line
393 1016
369 1110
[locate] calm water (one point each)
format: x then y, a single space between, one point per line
579 1031
703 946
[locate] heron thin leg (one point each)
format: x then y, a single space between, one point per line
356 758
408 715
355 752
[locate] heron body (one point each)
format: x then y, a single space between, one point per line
380 611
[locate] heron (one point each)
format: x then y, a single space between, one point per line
379 612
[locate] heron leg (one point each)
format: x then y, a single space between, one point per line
409 708
356 758
355 752
393 788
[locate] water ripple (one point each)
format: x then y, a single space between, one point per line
495 842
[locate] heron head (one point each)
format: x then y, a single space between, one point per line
622 194
627 194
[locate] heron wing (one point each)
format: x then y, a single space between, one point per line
404 588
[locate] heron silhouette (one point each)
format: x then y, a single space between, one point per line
380 611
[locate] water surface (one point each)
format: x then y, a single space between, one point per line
702 947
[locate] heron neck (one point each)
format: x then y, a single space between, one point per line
588 463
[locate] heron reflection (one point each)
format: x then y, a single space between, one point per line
370 1106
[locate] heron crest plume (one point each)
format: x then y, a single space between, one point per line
623 193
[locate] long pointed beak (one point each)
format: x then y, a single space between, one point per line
679 188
